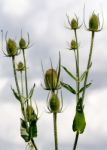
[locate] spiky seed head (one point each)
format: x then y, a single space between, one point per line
54 103
11 47
74 24
73 45
50 79
20 66
94 22
22 43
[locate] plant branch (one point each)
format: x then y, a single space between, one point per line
55 130
34 145
22 82
88 65
76 140
77 67
18 89
77 83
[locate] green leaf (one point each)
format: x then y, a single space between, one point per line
31 92
82 89
17 96
24 131
68 87
33 129
79 122
69 73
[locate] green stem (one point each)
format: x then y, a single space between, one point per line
77 67
34 145
88 65
76 140
18 89
55 130
77 82
15 75
26 84
21 82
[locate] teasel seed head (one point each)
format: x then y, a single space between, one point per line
54 103
94 23
74 24
22 44
74 45
20 66
11 48
50 79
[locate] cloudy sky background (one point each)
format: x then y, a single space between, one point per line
45 21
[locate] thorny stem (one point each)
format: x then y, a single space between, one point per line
77 82
33 143
77 67
55 130
15 75
17 86
76 140
88 65
26 86
26 83
21 82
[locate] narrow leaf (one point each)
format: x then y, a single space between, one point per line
88 85
16 94
68 87
69 73
31 92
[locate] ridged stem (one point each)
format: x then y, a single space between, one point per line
76 53
34 145
76 140
17 86
55 130
88 65
26 83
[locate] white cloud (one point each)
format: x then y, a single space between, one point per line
15 7
3 82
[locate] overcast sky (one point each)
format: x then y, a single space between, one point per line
45 21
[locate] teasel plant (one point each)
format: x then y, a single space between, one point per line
54 104
79 122
28 121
